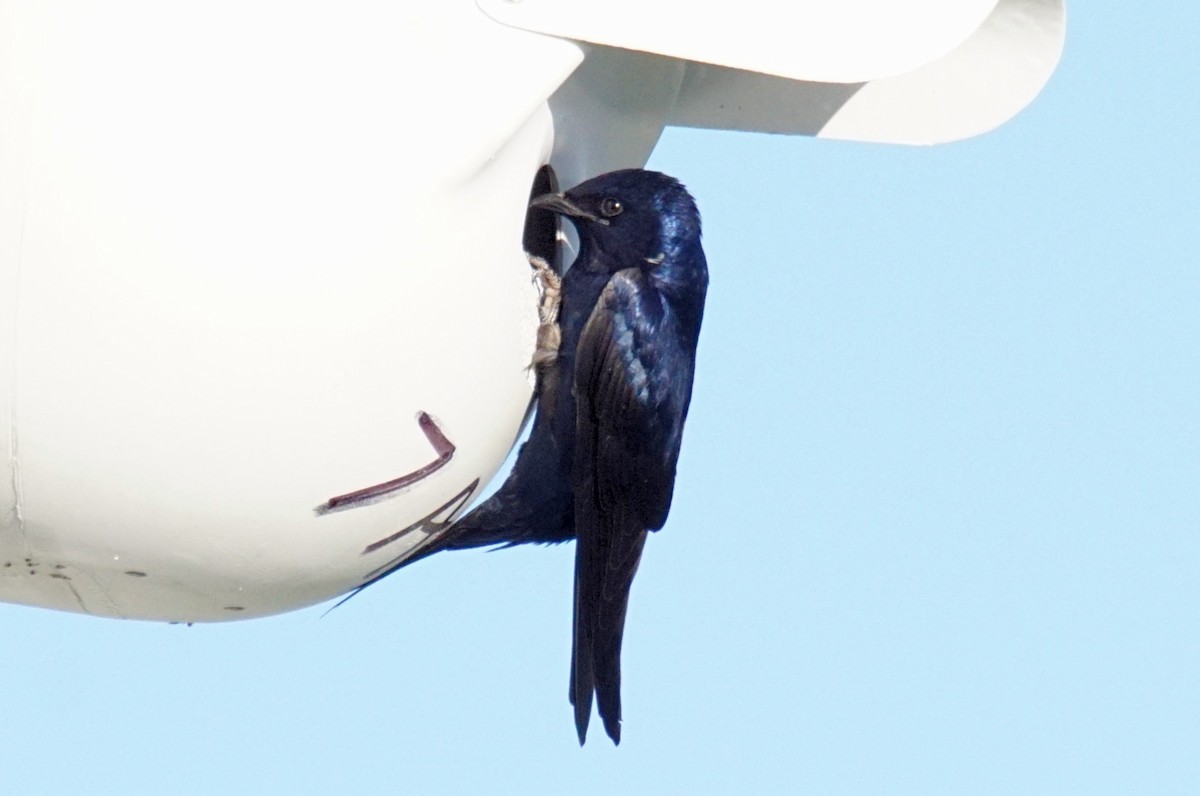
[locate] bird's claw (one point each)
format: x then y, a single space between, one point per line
549 336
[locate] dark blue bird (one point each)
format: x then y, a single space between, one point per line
599 465
635 361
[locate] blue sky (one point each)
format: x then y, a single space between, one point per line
937 526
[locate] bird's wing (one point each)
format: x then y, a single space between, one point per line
630 401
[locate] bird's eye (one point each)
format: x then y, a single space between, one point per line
610 207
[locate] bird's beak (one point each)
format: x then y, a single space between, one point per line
559 203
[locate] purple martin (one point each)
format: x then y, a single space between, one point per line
599 464
635 360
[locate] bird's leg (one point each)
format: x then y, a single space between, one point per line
549 336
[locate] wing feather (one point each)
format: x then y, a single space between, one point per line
629 418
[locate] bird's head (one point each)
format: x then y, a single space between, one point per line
633 217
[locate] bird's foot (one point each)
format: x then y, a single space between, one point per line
549 335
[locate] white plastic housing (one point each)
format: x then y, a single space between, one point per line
244 245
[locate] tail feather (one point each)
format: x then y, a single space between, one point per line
604 573
583 683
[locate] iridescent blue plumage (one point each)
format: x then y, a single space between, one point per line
599 465
633 383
